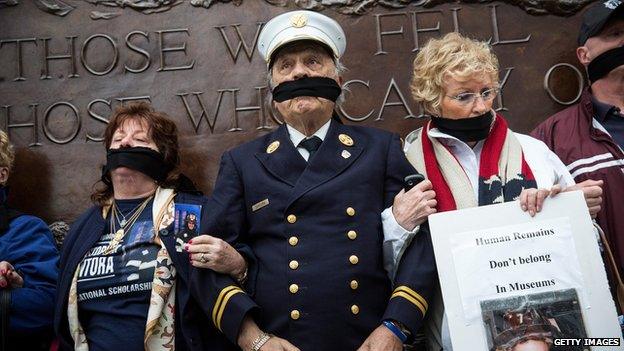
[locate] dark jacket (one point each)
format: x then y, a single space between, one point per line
194 329
27 244
589 153
315 229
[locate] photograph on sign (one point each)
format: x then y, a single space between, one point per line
533 321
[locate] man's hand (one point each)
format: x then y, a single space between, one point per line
250 332
9 279
206 251
592 190
412 208
381 339
278 344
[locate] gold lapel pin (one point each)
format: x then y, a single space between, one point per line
272 147
345 139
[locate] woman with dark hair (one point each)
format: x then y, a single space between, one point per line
124 273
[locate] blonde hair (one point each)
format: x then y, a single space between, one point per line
7 155
453 55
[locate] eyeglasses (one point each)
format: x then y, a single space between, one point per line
471 98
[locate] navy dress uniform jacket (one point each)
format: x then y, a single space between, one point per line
315 229
193 328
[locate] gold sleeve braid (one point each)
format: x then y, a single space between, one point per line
411 296
222 300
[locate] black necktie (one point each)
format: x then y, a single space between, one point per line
311 144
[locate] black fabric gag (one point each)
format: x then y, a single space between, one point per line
143 159
465 129
308 86
604 63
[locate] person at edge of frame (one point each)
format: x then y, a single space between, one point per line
28 271
589 136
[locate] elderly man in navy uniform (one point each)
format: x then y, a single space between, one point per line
313 200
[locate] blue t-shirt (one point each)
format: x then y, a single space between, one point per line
114 289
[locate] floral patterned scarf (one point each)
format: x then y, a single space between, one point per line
160 328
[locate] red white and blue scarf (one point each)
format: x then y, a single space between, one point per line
503 171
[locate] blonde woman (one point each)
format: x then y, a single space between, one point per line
467 150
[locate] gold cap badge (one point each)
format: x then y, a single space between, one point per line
298 20
272 147
345 139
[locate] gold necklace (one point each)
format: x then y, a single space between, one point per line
118 214
121 232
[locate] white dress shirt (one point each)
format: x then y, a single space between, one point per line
296 137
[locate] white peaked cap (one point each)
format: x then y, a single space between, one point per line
301 25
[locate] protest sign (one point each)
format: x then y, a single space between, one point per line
507 278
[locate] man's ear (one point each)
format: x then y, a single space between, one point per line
273 108
4 175
582 54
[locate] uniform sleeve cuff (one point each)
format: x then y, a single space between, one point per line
230 309
407 307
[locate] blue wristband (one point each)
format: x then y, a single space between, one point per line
396 331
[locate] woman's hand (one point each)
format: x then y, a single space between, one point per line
206 251
412 208
532 200
9 279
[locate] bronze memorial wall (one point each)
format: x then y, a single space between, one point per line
65 64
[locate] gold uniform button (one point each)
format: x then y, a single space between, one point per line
294 314
293 288
291 218
350 211
355 309
293 264
354 284
352 234
353 259
293 241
